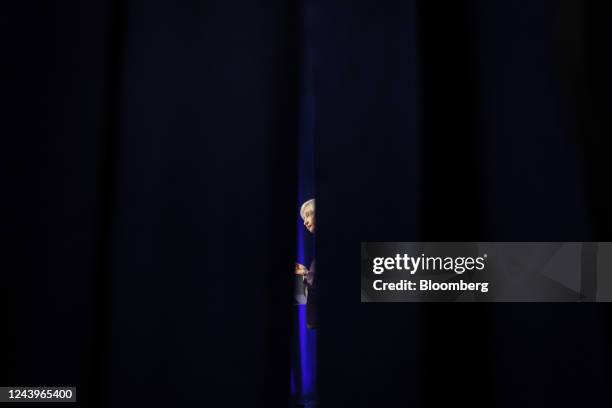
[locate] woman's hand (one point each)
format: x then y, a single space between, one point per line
300 269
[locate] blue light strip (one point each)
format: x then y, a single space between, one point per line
304 387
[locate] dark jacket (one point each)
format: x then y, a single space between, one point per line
311 302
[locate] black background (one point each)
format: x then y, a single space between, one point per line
149 153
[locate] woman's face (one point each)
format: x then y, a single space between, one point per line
309 220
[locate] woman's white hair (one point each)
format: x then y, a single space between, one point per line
307 206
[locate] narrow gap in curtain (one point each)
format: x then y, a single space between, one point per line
303 370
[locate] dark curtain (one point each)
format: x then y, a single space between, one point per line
150 203
149 167
460 121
